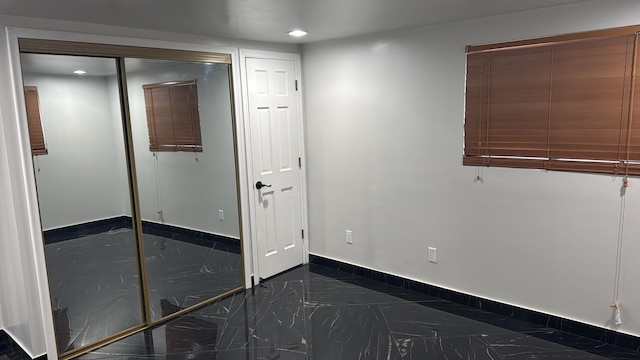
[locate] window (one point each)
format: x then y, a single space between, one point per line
172 116
564 103
36 134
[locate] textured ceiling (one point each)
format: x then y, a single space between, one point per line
269 20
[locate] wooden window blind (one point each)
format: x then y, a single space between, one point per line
36 134
172 116
565 104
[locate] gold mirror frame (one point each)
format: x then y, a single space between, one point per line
119 53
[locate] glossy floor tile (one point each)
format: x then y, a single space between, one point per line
95 289
9 350
315 313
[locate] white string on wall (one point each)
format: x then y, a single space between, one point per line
616 288
159 213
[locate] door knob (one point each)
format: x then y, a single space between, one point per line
260 185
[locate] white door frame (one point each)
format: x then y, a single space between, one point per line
253 269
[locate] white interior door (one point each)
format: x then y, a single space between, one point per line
275 152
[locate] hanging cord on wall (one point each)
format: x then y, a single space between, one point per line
35 159
159 213
625 184
547 163
488 113
616 289
478 177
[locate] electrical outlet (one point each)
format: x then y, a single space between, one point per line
348 236
159 215
432 255
220 215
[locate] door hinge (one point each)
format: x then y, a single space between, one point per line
300 163
296 85
302 233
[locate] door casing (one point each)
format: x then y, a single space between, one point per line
253 271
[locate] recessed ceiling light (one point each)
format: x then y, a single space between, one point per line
79 72
297 33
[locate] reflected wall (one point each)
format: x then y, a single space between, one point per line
188 187
84 203
188 193
132 233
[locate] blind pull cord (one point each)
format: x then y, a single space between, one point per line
634 62
488 113
478 175
159 213
616 293
625 184
483 102
547 163
35 158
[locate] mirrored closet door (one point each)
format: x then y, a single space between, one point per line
136 173
183 140
181 119
83 193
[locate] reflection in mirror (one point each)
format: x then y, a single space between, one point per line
182 128
220 331
75 126
272 322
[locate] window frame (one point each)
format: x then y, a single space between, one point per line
34 120
176 128
478 106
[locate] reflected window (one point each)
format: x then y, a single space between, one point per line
38 145
172 116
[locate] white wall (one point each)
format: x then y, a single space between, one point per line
81 178
13 298
24 294
21 256
384 137
5 211
190 192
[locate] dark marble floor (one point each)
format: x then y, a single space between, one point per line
94 281
9 350
316 313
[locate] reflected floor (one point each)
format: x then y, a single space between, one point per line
95 289
316 313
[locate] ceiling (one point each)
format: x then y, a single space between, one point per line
269 20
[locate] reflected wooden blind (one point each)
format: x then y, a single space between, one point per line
557 105
172 116
36 134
